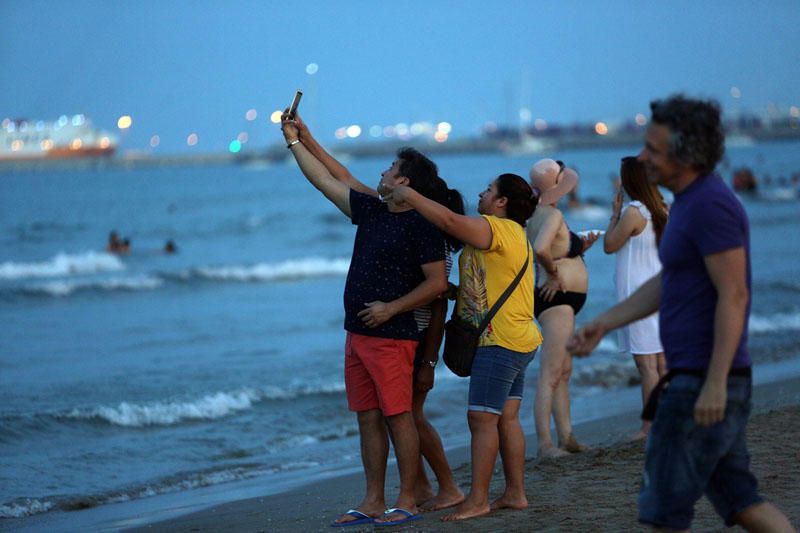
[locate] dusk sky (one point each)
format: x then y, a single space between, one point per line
182 67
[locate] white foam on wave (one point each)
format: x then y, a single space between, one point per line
25 507
164 414
286 270
210 407
62 265
777 322
67 287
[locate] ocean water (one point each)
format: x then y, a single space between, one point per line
126 377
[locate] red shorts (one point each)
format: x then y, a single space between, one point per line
378 373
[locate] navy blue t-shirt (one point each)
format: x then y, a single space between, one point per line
706 218
388 254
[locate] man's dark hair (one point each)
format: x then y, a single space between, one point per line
420 171
521 198
696 135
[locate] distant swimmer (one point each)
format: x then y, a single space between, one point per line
170 247
116 245
744 180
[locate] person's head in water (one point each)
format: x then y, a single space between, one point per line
509 196
170 247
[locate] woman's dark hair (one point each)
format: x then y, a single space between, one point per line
451 199
420 171
696 138
638 187
522 199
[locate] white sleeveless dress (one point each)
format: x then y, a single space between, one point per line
637 262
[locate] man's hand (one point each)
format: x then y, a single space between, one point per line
302 129
425 375
289 127
376 313
710 405
586 339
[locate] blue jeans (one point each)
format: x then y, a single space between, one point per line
498 374
685 460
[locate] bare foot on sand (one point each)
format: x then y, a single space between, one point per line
507 501
573 446
639 435
443 500
551 452
466 511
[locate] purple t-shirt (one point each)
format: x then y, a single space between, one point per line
388 254
706 218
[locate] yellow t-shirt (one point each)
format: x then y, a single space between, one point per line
483 277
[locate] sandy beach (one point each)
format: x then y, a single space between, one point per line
593 491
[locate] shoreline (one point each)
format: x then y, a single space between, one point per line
313 505
562 493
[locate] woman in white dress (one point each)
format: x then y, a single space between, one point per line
633 234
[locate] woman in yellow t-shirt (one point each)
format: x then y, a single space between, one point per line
495 250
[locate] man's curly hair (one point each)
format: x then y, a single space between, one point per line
696 138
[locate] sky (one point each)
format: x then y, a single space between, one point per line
179 67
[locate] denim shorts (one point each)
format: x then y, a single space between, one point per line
498 374
685 460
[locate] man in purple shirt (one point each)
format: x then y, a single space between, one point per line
697 442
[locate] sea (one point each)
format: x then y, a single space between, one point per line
217 372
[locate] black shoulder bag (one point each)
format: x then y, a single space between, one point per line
461 337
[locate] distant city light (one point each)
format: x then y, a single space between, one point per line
417 128
192 139
353 131
76 144
16 146
389 131
63 120
235 146
155 140
375 131
312 68
243 137
251 114
275 117
105 142
525 114
341 133
735 92
6 122
540 124
46 144
444 127
440 136
601 128
794 111
640 119
402 129
78 120
490 127
124 122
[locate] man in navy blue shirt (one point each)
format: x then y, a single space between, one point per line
697 442
397 266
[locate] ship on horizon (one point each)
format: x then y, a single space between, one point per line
65 138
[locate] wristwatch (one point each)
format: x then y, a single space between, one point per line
431 364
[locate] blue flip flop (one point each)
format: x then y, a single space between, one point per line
360 519
409 516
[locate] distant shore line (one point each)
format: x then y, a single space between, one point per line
277 153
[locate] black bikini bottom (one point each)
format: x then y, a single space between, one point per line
573 299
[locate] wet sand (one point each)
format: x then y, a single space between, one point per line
595 490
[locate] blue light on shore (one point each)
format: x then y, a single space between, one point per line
235 146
